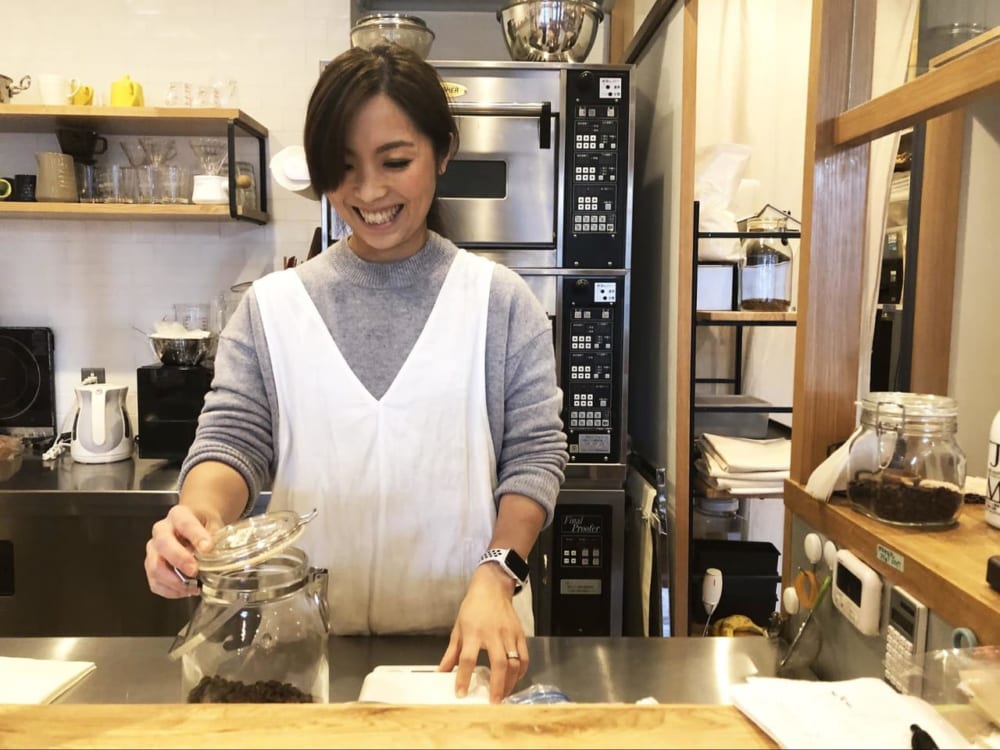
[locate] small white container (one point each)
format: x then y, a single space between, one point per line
993 475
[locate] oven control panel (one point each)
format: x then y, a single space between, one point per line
597 169
592 351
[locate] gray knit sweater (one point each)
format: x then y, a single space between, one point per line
375 312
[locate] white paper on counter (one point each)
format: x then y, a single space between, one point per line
30 681
422 685
862 713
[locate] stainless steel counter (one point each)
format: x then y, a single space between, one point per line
588 670
72 542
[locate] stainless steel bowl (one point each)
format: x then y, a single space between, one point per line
550 30
407 31
181 351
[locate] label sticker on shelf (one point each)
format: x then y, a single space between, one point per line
890 558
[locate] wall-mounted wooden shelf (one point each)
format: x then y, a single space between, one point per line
232 125
743 317
120 211
954 84
945 569
176 121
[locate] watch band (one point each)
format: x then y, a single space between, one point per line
510 562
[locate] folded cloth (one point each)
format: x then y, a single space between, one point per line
39 680
738 454
709 466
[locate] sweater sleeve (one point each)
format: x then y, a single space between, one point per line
235 425
533 455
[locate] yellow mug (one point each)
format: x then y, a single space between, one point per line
126 93
83 95
5 189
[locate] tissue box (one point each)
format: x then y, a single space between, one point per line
717 286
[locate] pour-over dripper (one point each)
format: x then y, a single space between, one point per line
212 153
158 151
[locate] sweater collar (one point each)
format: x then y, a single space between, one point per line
393 275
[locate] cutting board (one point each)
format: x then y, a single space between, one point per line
247 726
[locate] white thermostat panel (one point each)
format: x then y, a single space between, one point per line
857 592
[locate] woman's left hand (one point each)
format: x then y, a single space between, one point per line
487 622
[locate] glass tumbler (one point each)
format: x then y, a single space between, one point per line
175 184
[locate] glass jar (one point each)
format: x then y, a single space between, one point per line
260 631
905 466
766 268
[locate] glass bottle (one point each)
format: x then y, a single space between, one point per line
905 467
260 631
766 268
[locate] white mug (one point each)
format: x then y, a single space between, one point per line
210 189
55 88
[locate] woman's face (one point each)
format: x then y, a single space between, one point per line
389 182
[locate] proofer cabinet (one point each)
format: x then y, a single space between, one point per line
232 124
945 569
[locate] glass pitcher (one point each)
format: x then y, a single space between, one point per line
259 634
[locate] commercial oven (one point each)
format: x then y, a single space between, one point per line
542 182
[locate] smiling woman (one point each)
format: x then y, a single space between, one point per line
432 444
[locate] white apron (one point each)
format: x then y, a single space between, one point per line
404 484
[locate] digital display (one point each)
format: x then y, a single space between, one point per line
849 583
473 178
900 619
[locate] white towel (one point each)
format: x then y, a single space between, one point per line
747 454
709 466
29 681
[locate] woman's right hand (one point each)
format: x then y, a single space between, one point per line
174 538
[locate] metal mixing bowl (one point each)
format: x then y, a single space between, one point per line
181 351
407 31
550 30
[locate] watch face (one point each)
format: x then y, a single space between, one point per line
517 564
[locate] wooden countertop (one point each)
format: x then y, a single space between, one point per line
944 568
366 725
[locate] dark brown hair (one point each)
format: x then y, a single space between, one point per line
346 85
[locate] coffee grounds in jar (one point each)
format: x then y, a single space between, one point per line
215 689
906 503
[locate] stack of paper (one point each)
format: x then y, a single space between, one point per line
861 713
39 680
744 466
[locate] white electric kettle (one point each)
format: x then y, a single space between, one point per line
101 432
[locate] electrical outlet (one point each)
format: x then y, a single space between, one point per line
97 372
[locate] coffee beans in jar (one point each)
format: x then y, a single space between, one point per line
905 466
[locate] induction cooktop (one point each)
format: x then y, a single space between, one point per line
27 382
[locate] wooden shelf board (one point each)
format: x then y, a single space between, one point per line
118 211
176 121
745 317
945 569
700 488
953 85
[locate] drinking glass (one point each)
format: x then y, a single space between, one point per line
175 184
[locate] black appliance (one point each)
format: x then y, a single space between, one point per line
27 382
577 565
170 400
890 285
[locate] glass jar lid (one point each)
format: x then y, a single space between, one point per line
766 224
915 405
252 540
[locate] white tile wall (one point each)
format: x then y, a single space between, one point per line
93 281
